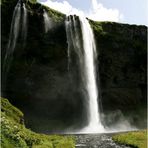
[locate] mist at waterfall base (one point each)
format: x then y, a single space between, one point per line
61 100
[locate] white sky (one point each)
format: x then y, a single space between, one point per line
124 11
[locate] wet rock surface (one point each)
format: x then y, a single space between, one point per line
96 141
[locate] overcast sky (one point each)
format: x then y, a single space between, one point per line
124 11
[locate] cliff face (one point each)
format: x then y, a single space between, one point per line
122 64
39 76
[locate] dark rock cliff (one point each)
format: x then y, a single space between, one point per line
40 84
122 56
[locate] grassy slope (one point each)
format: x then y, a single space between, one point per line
14 133
134 139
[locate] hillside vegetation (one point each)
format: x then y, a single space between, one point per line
15 135
134 139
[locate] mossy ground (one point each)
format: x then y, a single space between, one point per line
136 139
15 135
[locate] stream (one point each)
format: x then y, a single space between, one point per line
96 141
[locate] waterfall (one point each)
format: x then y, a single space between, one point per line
24 24
14 34
87 58
73 39
90 75
47 22
14 31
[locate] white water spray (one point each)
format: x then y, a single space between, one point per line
47 22
87 57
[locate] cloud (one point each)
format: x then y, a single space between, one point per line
97 12
63 6
100 13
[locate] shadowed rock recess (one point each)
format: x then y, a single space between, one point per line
50 95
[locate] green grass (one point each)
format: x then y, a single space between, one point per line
15 134
136 139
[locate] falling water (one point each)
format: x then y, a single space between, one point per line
73 38
14 31
13 36
47 22
90 69
24 24
87 57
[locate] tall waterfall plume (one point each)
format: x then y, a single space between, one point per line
18 16
87 58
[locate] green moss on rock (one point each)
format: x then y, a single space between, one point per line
37 8
14 133
58 16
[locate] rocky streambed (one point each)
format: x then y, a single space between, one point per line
96 141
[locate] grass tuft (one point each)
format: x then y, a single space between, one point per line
136 139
